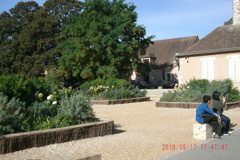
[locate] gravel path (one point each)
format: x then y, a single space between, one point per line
143 132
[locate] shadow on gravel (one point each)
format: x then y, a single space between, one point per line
231 126
118 131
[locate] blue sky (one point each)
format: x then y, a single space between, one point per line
171 18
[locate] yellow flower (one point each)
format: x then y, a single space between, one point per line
40 95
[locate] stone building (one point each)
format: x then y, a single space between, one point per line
216 56
161 55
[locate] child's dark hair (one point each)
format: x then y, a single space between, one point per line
216 95
206 98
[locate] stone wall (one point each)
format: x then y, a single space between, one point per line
19 141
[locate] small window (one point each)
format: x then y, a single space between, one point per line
168 76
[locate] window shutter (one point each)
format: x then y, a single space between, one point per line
204 70
237 69
231 69
211 70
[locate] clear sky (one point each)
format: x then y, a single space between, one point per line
171 18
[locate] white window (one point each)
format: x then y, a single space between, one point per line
145 60
208 68
234 67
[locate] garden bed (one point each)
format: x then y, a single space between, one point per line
192 105
19 141
120 101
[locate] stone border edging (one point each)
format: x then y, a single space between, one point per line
192 105
177 104
232 105
120 101
19 141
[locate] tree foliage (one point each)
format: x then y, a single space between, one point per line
30 35
103 41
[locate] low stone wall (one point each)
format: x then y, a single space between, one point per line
192 105
19 141
120 101
177 104
232 105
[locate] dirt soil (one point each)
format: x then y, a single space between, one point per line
142 132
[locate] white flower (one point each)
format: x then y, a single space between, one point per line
54 102
49 97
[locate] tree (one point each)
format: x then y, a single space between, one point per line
5 40
11 25
29 43
103 41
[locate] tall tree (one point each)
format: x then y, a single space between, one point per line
34 35
103 41
5 39
11 25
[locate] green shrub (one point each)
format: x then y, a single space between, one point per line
40 114
121 92
61 108
12 115
77 109
40 123
111 89
104 82
195 89
20 87
61 120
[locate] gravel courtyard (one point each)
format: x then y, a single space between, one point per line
142 132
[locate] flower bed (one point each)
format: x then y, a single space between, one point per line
120 101
19 141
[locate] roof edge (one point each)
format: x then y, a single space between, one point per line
212 51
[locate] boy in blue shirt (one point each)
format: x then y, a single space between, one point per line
205 115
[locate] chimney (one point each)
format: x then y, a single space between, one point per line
236 11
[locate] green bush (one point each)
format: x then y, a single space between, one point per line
111 89
195 89
61 120
104 82
20 87
12 115
120 92
41 114
76 108
61 108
